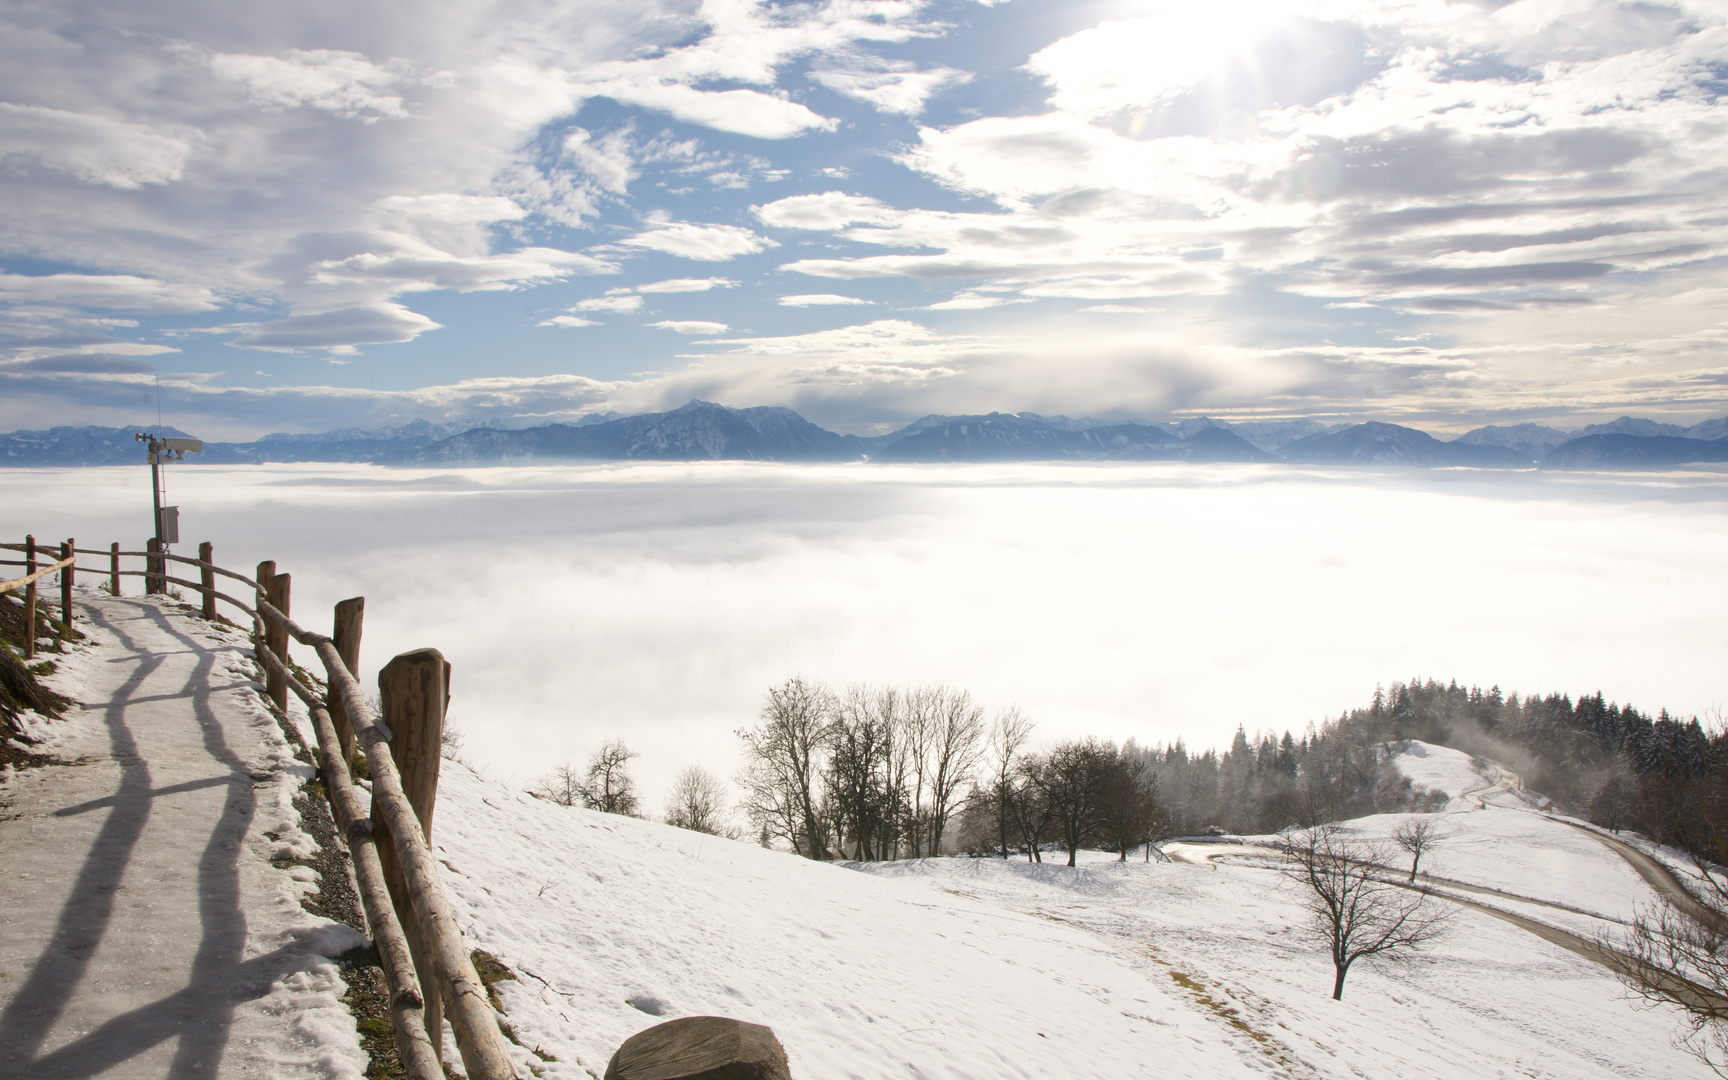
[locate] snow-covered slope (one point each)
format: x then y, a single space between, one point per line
1439 768
957 968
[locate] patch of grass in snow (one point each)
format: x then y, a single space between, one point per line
1220 1007
493 971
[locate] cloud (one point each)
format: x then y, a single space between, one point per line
609 159
829 210
820 300
94 149
687 285
449 208
890 86
571 321
79 363
116 292
702 243
407 265
621 304
344 83
342 328
691 326
743 112
971 301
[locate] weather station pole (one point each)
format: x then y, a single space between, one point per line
165 519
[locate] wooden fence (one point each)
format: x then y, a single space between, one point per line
413 925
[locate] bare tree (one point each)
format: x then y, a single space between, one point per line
1008 734
784 757
1417 837
697 801
917 735
956 744
865 804
1032 813
1677 954
1129 813
608 786
563 785
1351 910
1070 784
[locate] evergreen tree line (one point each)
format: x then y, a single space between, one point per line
1608 763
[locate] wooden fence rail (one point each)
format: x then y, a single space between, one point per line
413 924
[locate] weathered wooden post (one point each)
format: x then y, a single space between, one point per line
207 578
276 636
415 689
67 574
153 582
30 599
266 570
114 568
347 623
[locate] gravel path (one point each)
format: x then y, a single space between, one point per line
150 923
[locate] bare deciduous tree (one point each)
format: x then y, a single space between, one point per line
1352 911
956 744
697 802
1677 954
1069 782
1417 837
1680 958
608 786
1129 813
1007 735
784 758
861 788
563 785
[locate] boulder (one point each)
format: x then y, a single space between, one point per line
700 1048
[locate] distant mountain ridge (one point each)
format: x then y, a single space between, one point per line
701 430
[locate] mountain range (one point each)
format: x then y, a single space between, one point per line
702 430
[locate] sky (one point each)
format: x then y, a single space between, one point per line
307 216
657 603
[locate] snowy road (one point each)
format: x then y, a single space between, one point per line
146 930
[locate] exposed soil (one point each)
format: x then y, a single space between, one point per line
336 899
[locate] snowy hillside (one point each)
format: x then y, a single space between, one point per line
959 968
1441 768
1438 768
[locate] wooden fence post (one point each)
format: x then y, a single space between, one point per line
415 689
207 578
114 568
153 582
30 599
266 570
347 623
67 574
276 637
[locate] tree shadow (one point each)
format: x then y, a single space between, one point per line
200 1014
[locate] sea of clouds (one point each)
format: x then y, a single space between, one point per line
657 603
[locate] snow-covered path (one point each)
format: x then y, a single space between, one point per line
150 921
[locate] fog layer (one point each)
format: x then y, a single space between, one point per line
658 602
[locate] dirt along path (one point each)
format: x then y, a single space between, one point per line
1445 889
151 924
1657 876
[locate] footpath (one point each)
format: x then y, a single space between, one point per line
150 917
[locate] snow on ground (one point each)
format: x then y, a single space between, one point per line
962 968
1439 768
180 799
